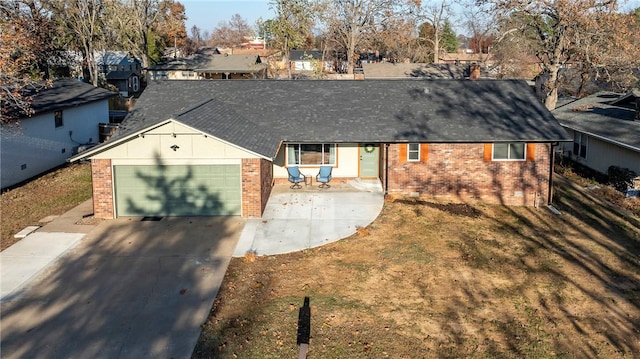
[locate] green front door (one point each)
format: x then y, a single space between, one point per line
181 190
369 160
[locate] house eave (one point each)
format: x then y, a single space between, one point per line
111 144
603 138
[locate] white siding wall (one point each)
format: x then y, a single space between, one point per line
601 155
194 148
38 146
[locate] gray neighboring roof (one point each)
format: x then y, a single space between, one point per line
437 111
232 63
120 75
596 116
185 63
65 93
388 70
107 57
631 95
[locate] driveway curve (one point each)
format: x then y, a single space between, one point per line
295 220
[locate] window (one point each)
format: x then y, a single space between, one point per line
57 116
413 152
311 154
509 151
580 144
135 86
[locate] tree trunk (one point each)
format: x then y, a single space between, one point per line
91 64
436 47
351 52
584 77
547 86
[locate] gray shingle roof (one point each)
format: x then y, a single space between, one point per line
388 70
350 111
232 63
231 127
595 115
119 75
66 93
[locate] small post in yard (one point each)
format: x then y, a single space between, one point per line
304 329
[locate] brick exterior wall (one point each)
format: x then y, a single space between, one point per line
266 180
257 179
102 178
459 172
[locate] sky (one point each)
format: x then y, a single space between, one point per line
207 14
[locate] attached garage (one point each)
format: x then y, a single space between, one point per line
177 190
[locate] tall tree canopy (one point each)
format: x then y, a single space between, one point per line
231 33
293 24
27 42
353 24
434 17
449 37
83 23
558 32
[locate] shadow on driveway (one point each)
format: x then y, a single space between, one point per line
130 289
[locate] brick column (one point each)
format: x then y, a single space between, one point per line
102 180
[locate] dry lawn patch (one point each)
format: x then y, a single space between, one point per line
51 194
446 281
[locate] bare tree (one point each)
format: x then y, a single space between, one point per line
352 24
231 33
435 15
396 39
480 26
83 21
145 27
292 26
556 32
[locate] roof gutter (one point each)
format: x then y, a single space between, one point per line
605 139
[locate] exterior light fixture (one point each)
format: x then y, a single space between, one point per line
175 147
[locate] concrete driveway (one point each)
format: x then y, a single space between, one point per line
129 289
295 220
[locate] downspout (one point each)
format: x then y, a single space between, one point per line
551 163
386 169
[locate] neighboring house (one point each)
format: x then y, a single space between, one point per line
227 66
605 128
182 68
463 58
388 70
210 66
121 70
175 69
66 116
217 147
301 61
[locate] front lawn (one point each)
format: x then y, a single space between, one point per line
48 195
445 281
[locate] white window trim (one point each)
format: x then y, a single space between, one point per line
311 165
55 123
409 159
584 139
524 157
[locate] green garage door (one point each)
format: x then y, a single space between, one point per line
177 190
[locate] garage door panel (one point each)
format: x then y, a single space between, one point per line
178 190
